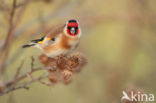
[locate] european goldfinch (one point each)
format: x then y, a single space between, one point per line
61 42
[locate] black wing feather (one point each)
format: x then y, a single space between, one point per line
37 40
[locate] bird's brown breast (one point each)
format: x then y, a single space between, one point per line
65 42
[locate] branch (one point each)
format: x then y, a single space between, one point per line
24 76
11 85
24 85
19 69
10 35
8 39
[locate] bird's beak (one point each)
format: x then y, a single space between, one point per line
72 31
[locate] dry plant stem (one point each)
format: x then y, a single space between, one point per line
19 69
32 62
12 85
14 81
24 85
5 48
10 35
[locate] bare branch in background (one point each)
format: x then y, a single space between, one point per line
12 25
24 85
19 69
13 84
5 48
32 62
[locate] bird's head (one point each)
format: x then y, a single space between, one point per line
72 28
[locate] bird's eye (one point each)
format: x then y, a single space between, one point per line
69 27
76 27
53 39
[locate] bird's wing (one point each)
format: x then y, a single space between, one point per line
52 35
55 32
38 40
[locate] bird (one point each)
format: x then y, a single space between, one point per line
60 42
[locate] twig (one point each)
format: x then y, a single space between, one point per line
12 25
8 39
19 69
45 83
32 62
24 85
10 83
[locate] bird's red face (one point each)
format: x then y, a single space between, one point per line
72 27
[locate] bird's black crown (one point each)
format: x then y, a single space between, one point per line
72 21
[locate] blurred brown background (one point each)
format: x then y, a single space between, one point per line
118 39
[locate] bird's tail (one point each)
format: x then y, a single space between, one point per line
28 45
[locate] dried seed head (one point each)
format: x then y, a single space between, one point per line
64 66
